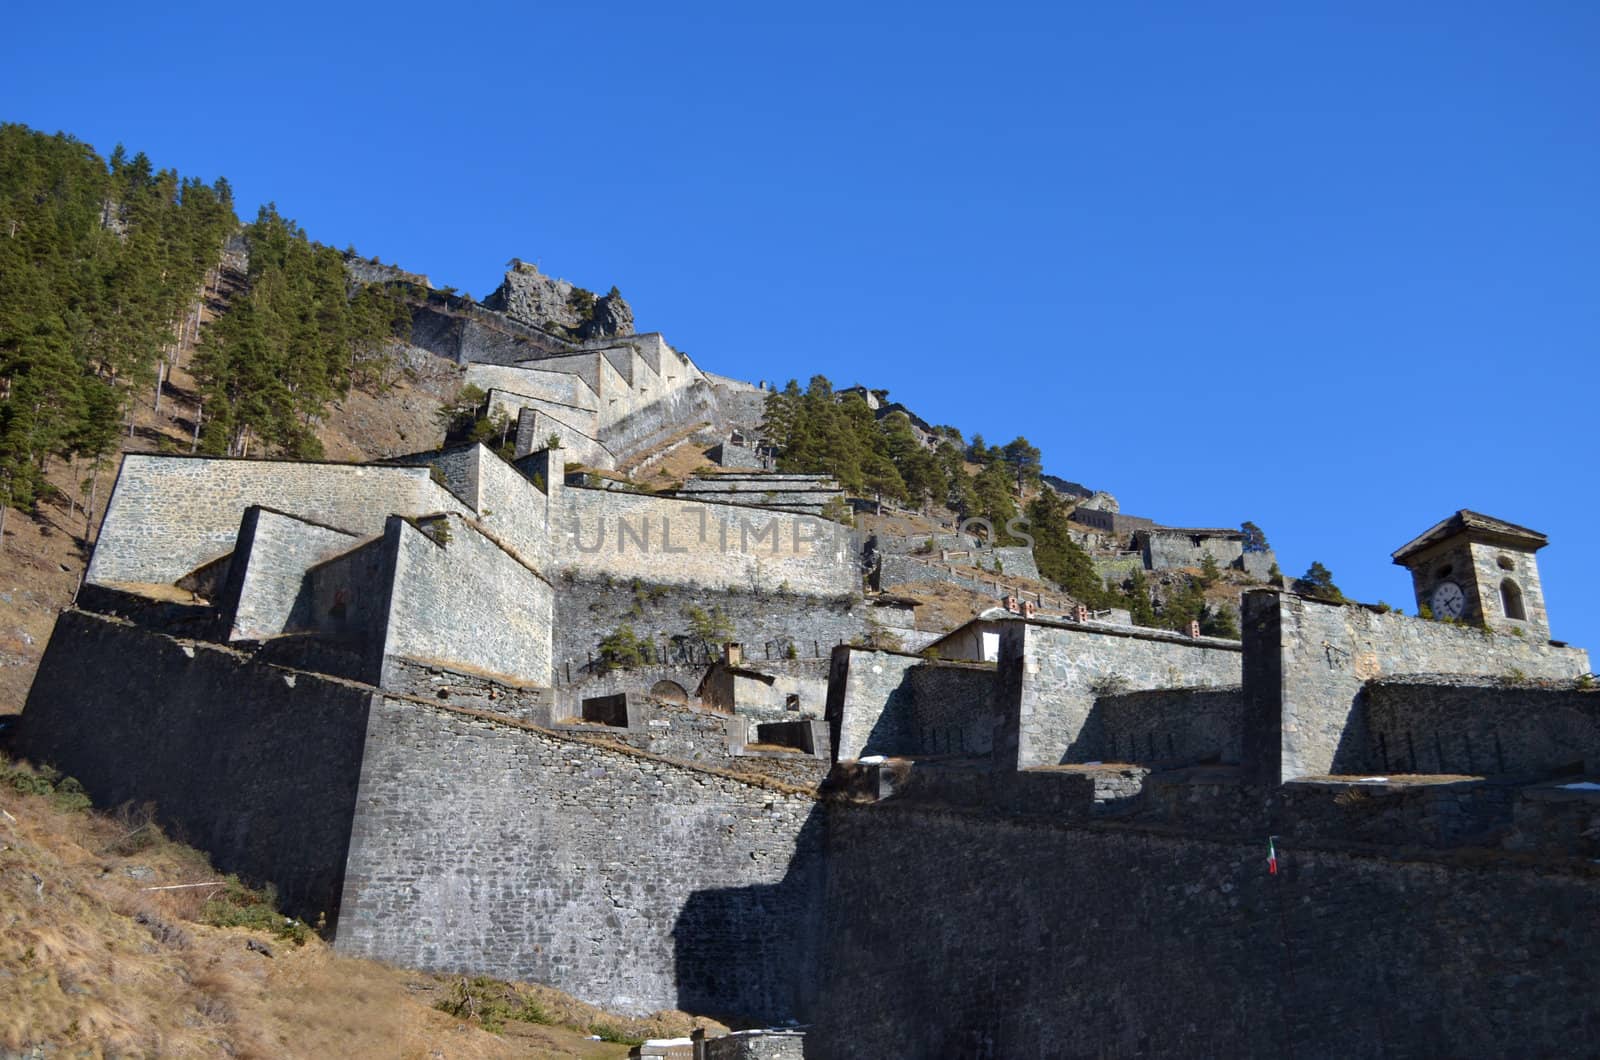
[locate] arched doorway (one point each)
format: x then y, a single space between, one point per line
669 692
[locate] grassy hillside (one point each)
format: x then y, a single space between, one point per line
116 940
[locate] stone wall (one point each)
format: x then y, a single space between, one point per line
253 764
170 514
629 881
535 429
1012 561
1307 662
535 380
266 576
1060 668
1165 548
588 609
462 331
714 546
649 423
889 703
915 570
726 454
469 603
345 603
1169 725
755 1045
953 934
805 493
1441 724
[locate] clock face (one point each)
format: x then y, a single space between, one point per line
1448 600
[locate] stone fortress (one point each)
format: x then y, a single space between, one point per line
1037 834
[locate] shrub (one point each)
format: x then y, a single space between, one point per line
242 906
65 792
607 1032
492 1002
711 627
623 647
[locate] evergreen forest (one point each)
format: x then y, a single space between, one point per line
105 263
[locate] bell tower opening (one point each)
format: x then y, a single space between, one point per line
1511 600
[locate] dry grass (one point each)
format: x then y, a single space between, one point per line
94 962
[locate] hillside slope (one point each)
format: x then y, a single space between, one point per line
110 944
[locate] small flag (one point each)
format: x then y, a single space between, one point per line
1272 857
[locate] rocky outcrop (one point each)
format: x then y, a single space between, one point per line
612 316
530 297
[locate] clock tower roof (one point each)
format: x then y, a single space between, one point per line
1478 527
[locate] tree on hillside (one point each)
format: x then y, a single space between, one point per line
1136 592
1254 539
99 261
1317 582
1024 460
1058 557
992 492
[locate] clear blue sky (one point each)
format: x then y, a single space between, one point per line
1330 267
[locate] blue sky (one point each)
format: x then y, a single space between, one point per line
1330 267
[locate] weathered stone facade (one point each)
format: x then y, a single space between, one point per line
1302 687
1058 669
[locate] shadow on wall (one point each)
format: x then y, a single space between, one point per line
749 955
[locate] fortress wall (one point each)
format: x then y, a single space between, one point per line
747 407
534 428
170 514
514 510
588 609
255 765
1164 550
1059 669
345 601
270 561
890 703
585 366
465 333
1445 724
1183 723
951 934
468 603
512 404
696 403
630 882
535 381
713 546
1308 661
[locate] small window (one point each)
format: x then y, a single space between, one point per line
791 701
1511 600
1507 563
1445 571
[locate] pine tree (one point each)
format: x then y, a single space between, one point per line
1317 582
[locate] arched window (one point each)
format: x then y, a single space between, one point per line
1511 600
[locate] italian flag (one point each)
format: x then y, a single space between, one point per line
1272 857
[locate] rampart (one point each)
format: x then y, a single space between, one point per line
642 883
677 542
169 515
1303 685
254 764
883 702
460 598
972 934
271 556
1166 726
767 624
1450 724
1052 672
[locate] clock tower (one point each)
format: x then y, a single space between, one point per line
1480 571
